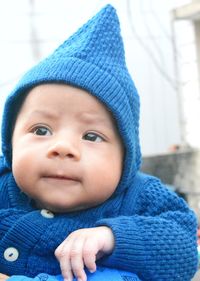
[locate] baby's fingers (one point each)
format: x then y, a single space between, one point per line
76 257
66 270
90 251
70 258
3 277
63 256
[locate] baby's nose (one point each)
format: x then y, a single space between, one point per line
64 149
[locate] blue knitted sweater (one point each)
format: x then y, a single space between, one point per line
155 231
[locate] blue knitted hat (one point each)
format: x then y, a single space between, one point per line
93 59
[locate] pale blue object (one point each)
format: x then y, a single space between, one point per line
102 274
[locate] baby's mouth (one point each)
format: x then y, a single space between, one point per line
61 178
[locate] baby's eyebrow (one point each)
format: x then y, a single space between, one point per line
44 113
88 118
93 118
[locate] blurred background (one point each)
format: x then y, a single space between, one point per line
162 43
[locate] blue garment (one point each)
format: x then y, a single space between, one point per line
101 274
92 59
154 230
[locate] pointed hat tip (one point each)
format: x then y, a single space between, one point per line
109 9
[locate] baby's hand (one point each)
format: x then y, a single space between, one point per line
82 248
3 277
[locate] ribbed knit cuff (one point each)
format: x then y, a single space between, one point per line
129 251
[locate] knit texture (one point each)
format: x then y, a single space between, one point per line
155 232
93 59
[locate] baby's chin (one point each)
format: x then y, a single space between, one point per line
63 209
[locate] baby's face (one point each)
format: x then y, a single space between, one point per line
67 154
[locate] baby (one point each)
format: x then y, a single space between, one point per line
71 194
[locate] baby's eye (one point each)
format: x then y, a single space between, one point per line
93 137
41 131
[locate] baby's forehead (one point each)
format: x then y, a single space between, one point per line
54 100
48 94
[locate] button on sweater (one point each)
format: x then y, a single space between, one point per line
154 231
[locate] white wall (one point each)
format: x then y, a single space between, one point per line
189 80
32 29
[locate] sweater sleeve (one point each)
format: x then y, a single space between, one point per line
158 242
